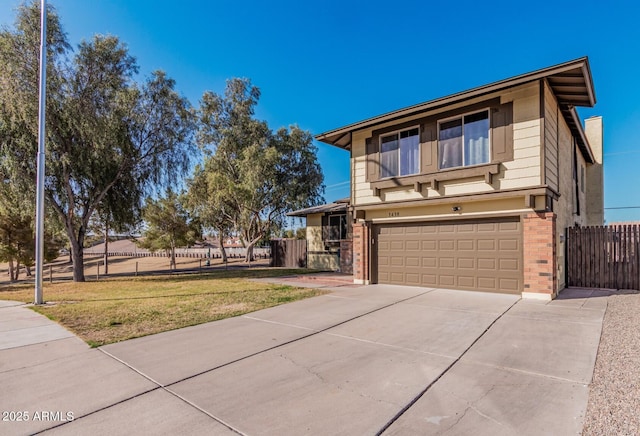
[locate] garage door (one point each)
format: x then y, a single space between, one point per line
470 255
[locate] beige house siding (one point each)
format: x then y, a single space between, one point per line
314 232
551 122
443 212
317 257
565 207
523 171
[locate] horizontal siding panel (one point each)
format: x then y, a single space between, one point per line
527 142
529 162
519 173
522 153
470 188
519 182
529 132
526 124
401 195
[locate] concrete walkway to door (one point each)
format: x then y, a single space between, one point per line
361 360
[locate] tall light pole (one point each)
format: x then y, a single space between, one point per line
41 135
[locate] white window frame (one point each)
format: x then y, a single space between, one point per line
461 116
397 132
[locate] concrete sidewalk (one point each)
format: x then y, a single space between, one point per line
361 360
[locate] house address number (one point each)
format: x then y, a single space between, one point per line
393 214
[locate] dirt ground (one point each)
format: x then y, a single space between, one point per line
61 269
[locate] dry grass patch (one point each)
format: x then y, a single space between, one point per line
118 309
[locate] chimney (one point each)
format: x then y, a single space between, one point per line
595 173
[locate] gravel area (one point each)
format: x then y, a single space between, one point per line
614 396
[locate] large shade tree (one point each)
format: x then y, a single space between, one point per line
169 225
256 174
104 130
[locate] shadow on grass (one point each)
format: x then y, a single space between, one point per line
195 294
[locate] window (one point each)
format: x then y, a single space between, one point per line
464 141
400 153
581 178
334 227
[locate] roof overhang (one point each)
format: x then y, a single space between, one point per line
338 206
571 83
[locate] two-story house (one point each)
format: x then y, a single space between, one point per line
474 191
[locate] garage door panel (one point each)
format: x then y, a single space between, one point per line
397 245
472 255
466 263
429 280
412 246
508 245
509 264
397 277
466 228
447 262
412 279
466 245
412 261
507 226
487 227
429 245
446 280
396 261
487 264
510 284
429 262
489 283
486 245
466 282
447 244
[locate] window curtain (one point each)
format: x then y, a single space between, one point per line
409 152
476 139
389 157
450 144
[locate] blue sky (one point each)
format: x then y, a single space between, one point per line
323 65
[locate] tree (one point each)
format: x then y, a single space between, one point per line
112 214
212 210
104 131
169 225
258 174
17 235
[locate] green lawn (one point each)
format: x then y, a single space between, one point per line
112 310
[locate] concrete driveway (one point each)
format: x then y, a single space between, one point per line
362 360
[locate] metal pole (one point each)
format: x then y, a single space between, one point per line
40 171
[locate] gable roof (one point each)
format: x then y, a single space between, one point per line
571 83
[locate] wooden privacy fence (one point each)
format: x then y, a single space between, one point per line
604 257
289 253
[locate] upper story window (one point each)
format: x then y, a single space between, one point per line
400 153
464 141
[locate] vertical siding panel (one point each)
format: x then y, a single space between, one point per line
570 256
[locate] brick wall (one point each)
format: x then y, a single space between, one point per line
539 240
346 256
360 253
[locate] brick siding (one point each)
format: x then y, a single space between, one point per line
539 240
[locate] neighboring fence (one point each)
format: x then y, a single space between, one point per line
289 253
604 257
202 253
